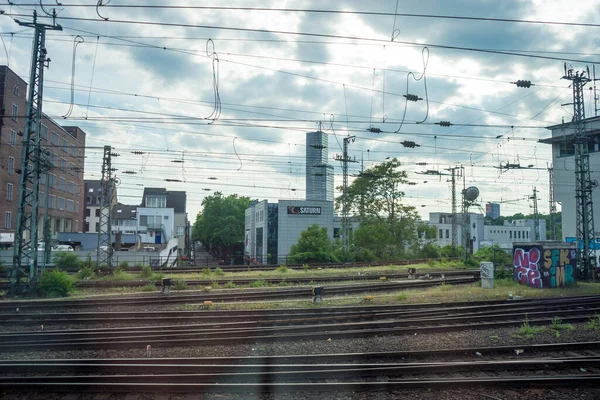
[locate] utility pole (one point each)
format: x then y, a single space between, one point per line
551 203
456 172
465 221
105 251
26 233
345 205
584 184
536 216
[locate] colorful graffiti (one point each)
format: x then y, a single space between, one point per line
537 267
526 268
559 267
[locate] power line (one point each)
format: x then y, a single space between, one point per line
316 11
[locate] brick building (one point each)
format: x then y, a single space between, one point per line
62 186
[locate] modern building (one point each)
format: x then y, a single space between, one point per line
162 216
492 210
273 228
319 173
563 161
61 188
482 235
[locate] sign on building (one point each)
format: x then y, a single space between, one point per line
304 210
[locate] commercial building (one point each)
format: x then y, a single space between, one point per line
563 161
319 173
492 210
93 196
61 188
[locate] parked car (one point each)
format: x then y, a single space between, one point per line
63 247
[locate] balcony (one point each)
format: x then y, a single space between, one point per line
155 225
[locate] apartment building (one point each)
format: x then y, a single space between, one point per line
61 188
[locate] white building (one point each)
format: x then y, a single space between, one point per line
563 160
482 235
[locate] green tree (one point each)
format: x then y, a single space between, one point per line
493 253
375 198
220 224
313 245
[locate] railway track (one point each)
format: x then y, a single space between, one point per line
544 365
246 295
266 327
273 281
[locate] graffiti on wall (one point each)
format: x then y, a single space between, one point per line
537 267
526 266
559 267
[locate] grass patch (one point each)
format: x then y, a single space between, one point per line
282 269
257 283
527 331
219 271
146 272
214 284
179 284
148 288
120 275
594 323
230 285
86 273
401 297
495 338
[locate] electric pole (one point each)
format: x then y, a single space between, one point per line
536 217
551 203
345 204
584 184
456 172
26 233
107 184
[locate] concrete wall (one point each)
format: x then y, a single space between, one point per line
540 266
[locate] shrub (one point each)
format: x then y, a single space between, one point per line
282 269
56 284
219 271
65 259
88 261
214 284
180 284
594 323
230 285
305 267
146 272
205 271
124 264
86 273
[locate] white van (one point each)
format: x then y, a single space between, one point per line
63 247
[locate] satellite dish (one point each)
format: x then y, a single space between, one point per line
471 193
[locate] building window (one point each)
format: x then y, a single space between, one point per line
510 234
166 217
87 212
41 199
52 201
180 230
55 138
156 201
8 219
447 233
76 226
76 206
71 168
15 112
97 227
87 226
61 203
12 140
71 187
52 181
62 184
44 132
441 233
97 212
11 165
70 205
9 191
566 149
65 145
16 90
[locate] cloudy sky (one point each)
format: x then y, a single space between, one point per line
145 81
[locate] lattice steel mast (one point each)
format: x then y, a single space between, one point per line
26 233
345 204
551 203
455 174
584 185
536 216
104 252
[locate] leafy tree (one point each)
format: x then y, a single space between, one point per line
313 245
389 229
493 253
220 224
